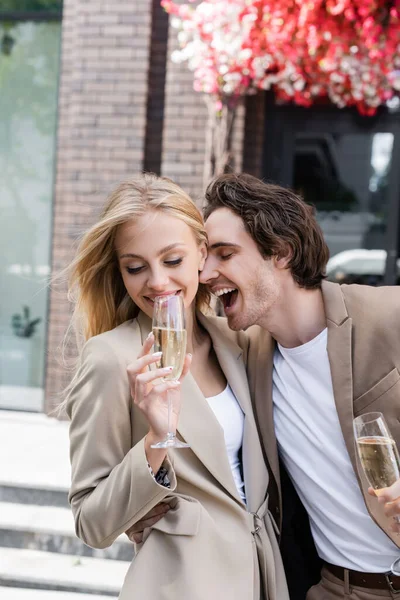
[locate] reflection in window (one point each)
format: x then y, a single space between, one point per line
346 178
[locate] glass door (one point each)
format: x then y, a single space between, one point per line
29 64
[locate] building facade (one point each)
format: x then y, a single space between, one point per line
116 105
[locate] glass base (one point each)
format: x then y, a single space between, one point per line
171 441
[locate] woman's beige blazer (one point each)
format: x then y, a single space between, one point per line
210 546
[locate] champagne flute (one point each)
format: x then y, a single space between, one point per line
170 339
379 456
377 450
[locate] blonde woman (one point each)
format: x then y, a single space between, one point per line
215 540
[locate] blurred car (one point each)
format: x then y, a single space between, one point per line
359 266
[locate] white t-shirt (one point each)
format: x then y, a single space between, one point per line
231 418
313 450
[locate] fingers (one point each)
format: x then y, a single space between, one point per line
164 386
149 376
186 366
395 527
135 533
391 493
148 342
392 509
142 362
390 498
141 382
148 523
371 492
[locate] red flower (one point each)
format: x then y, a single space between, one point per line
345 50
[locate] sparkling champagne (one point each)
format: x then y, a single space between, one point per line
172 344
380 459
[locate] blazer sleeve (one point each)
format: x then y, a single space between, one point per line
112 487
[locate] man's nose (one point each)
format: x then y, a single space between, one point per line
209 272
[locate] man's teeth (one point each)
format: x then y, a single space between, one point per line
219 293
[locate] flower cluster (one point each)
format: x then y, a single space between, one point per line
347 51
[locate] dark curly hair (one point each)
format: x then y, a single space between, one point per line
278 220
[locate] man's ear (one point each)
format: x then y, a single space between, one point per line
203 256
283 260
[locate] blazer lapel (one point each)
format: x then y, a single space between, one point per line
199 427
340 359
260 370
264 390
230 358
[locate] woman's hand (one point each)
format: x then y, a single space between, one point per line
150 394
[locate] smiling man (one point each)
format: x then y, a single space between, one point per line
246 293
324 354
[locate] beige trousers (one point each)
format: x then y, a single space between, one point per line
332 588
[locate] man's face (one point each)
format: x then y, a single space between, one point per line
236 272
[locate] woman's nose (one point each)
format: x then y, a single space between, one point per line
158 280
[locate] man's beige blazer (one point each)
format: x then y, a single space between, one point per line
210 546
364 354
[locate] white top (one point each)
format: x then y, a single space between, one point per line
312 447
231 418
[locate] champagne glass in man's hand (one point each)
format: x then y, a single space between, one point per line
379 457
377 450
170 338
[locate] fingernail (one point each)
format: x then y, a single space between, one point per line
157 354
149 336
176 383
190 354
167 368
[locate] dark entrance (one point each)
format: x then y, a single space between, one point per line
348 167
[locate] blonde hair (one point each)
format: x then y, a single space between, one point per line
96 288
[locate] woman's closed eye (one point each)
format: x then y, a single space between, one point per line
173 263
169 263
134 270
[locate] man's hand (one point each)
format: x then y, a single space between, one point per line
135 533
390 498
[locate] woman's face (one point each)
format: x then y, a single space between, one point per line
158 255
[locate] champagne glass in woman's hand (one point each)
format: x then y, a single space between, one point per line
170 338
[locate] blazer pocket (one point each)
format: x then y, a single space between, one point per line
378 390
183 518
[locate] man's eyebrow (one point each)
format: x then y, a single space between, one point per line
162 251
223 245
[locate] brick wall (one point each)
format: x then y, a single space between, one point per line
123 107
101 132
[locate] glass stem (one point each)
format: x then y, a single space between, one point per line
170 435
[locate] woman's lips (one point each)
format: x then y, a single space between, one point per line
151 300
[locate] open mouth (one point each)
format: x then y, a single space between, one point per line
227 296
